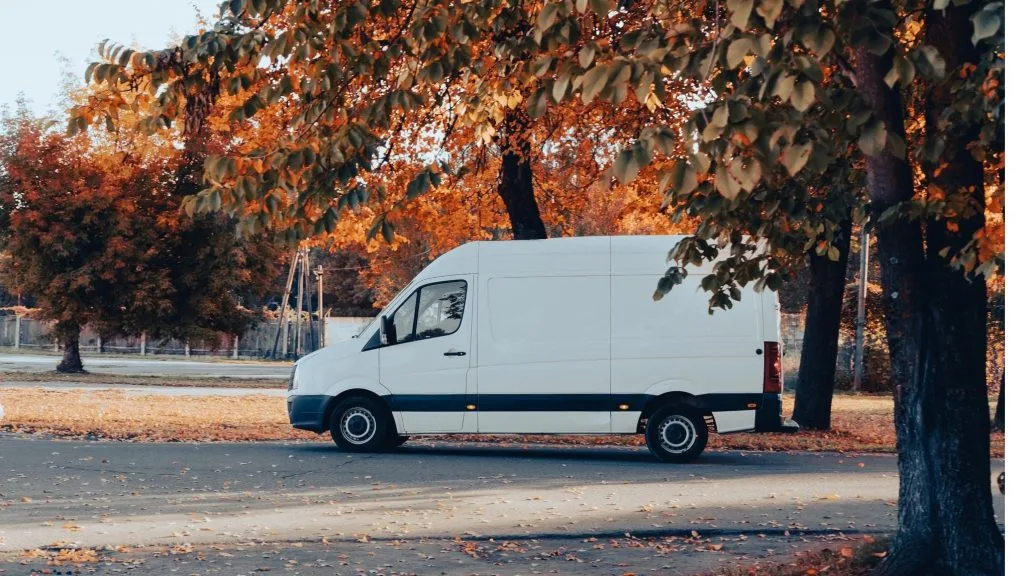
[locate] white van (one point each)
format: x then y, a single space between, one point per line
556 336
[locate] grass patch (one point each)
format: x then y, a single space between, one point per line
860 423
176 381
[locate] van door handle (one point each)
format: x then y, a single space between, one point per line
455 353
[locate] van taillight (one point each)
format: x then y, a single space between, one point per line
772 368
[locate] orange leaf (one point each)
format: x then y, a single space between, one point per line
846 552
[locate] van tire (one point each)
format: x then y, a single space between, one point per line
676 434
360 424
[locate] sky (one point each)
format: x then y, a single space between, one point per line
36 35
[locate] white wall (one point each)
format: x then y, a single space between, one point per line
344 328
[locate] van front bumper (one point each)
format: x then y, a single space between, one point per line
768 417
308 412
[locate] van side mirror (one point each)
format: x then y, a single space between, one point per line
387 331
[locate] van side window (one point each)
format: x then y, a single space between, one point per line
434 310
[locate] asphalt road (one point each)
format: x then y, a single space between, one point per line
149 367
108 493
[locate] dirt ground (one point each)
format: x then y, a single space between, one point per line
860 423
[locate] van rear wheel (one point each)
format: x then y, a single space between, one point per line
676 434
361 425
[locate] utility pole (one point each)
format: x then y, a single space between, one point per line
309 303
862 294
284 309
321 321
299 306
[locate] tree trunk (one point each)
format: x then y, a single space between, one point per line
999 422
72 360
935 324
515 184
817 377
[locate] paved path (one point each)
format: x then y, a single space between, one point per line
234 508
147 390
149 367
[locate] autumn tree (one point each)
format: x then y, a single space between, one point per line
66 232
799 92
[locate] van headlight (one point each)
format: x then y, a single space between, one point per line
291 377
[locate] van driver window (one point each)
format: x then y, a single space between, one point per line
440 310
434 310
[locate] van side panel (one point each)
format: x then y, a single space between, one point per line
674 345
542 354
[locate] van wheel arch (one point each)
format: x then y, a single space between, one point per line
668 398
361 393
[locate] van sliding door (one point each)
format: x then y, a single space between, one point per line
543 354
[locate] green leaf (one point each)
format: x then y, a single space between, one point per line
89 70
237 6
548 15
930 63
784 86
720 118
664 140
803 96
986 23
896 146
541 65
560 88
795 156
593 82
737 50
417 186
820 41
877 43
727 184
940 4
747 171
902 71
833 253
872 139
601 7
740 10
770 11
537 103
388 231
626 166
581 6
587 54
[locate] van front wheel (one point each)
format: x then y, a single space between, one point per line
360 425
676 434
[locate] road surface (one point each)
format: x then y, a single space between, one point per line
127 493
149 367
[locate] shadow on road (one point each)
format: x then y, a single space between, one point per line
635 455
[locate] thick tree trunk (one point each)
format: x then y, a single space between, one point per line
516 179
817 377
935 324
999 422
954 356
72 360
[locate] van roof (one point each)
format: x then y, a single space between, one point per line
578 255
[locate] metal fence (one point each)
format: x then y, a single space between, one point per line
258 342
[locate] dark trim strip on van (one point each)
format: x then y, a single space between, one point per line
718 402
